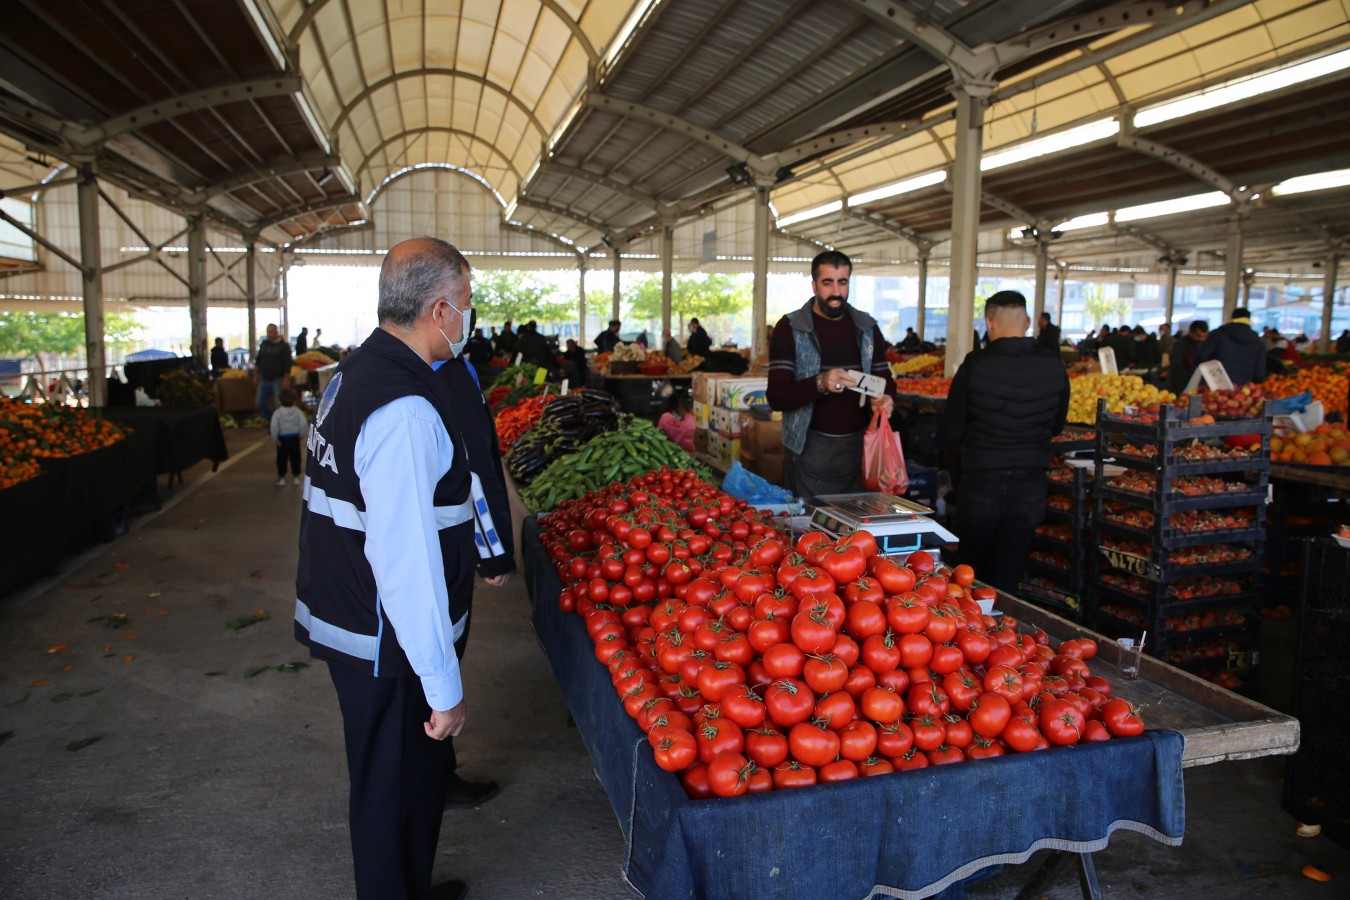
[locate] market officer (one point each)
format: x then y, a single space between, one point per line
387 557
811 353
1006 402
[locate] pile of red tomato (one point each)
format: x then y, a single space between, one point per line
753 664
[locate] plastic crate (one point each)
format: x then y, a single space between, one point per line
923 484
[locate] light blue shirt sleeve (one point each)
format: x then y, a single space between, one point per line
402 452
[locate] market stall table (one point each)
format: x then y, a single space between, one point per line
183 437
904 832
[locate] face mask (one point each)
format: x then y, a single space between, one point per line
457 347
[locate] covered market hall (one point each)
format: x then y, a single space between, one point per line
164 734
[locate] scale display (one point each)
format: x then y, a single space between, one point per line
899 525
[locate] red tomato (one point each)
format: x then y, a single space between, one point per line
765 633
696 782
677 750
718 735
927 699
1095 731
844 563
864 589
880 652
1099 684
875 765
863 540
894 579
990 715
946 755
789 702
720 676
959 732
857 740
813 745
915 650
1121 718
847 649
1004 681
793 774
743 706
824 673
735 647
1061 722
896 679
1020 735
766 747
962 688
784 660
812 633
729 774
984 748
839 770
860 678
946 659
941 626
864 619
920 562
1064 666
914 758
882 705
812 541
906 614
894 739
929 733
835 710
974 646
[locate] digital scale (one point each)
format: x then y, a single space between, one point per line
899 525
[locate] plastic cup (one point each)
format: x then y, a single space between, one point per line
1130 653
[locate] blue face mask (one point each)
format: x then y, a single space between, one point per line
468 322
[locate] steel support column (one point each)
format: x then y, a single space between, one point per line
1232 260
284 293
581 304
1328 298
251 288
922 311
667 264
1169 300
1061 273
970 106
91 262
1248 278
1042 275
759 303
614 308
197 287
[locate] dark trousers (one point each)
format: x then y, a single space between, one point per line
996 513
397 783
288 451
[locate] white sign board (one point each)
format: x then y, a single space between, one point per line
1213 373
1106 357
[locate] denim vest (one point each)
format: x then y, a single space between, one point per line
796 422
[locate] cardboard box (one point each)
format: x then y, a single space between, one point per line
701 440
769 466
702 386
702 414
236 395
724 448
737 393
730 422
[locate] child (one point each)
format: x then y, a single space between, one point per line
678 424
288 423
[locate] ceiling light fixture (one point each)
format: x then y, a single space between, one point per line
918 182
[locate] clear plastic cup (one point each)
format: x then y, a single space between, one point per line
1130 653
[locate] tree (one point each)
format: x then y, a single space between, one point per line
520 297
25 334
1098 309
698 296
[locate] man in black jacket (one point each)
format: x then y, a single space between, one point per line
1047 339
1239 348
699 343
1005 404
1185 356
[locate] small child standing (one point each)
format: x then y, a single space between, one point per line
288 423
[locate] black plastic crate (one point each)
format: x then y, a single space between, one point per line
1058 597
1158 566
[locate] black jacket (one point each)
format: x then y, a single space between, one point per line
1241 351
534 349
699 343
1123 344
606 341
1182 361
1048 339
1005 404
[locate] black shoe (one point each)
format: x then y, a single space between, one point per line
461 794
449 890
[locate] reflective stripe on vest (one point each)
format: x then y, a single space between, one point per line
345 514
358 646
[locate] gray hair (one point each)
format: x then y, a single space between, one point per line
411 279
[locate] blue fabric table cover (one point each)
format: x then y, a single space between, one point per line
909 835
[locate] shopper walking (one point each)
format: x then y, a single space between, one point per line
287 424
387 557
273 371
1006 402
1047 338
302 342
1239 348
1185 356
811 353
699 343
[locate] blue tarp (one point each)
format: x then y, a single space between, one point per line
909 835
150 355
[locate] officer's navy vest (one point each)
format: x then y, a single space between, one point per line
337 612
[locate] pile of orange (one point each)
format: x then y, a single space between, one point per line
1326 445
1329 387
29 432
924 387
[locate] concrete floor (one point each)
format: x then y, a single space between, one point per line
207 783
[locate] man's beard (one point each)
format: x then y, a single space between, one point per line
832 312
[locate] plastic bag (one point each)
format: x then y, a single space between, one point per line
745 485
883 458
1290 405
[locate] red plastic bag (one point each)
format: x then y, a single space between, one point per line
883 458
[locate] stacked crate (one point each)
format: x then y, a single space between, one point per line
1179 537
1055 569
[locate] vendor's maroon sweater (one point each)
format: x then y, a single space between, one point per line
833 413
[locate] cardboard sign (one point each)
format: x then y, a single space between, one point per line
1135 565
563 390
1213 373
1106 358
